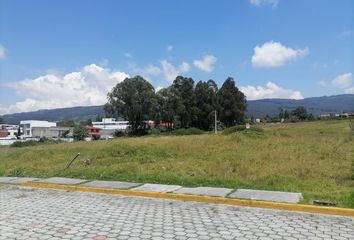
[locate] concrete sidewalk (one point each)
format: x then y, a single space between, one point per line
285 197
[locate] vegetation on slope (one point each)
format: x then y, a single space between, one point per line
310 157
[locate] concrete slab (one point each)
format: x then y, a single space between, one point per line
24 179
60 180
274 196
7 179
207 191
149 187
111 184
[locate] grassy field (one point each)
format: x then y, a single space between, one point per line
313 158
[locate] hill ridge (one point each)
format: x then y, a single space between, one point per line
256 108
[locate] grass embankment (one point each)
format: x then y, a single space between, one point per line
313 158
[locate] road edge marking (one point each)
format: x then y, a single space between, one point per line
197 198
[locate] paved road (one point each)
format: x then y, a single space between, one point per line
27 213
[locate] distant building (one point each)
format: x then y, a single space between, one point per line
27 126
8 131
109 126
4 134
325 115
52 132
8 127
93 132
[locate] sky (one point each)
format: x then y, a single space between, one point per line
65 53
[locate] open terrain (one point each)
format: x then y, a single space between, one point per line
314 158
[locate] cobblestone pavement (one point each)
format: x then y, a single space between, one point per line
27 213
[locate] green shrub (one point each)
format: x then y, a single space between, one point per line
80 132
186 131
118 133
256 129
233 129
25 143
42 141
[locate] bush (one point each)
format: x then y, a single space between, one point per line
80 132
237 128
25 144
256 129
186 131
41 141
118 133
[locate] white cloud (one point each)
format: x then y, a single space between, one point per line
169 48
2 52
346 33
343 81
206 64
258 3
271 90
184 67
88 86
350 90
128 55
146 71
322 83
171 72
274 54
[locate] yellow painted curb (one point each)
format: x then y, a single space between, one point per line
197 198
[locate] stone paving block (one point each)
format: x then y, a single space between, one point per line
111 184
60 180
149 187
31 213
207 191
274 196
7 179
24 179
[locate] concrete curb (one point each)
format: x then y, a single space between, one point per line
198 198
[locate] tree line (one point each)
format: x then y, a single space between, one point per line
183 104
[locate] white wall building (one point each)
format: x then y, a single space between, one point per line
10 129
111 124
26 126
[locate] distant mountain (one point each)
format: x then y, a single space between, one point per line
315 105
256 108
74 113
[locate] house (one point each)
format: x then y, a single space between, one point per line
93 132
4 134
26 127
109 126
52 132
325 115
11 130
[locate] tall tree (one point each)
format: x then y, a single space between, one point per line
80 132
135 99
165 109
207 104
184 101
300 113
233 103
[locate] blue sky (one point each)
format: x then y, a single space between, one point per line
69 53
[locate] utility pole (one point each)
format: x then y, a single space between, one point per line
215 122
